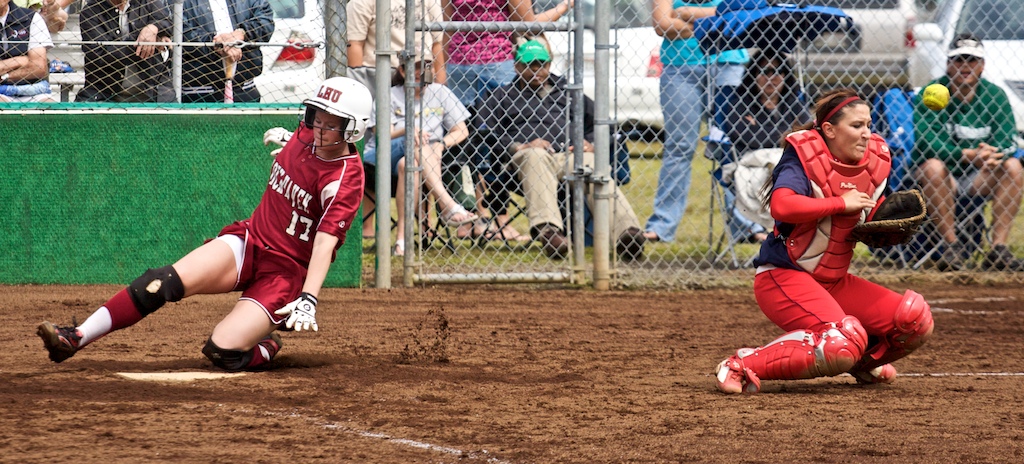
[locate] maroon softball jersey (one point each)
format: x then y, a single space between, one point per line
305 195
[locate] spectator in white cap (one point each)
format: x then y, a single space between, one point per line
967 148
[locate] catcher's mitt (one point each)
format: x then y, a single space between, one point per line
895 222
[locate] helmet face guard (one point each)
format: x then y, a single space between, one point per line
349 130
345 98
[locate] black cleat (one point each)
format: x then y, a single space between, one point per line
61 342
553 242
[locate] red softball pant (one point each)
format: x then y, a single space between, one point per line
793 300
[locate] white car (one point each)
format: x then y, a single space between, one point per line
635 64
1000 26
290 75
872 54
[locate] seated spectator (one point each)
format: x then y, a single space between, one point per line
441 122
23 65
966 149
121 73
528 120
54 12
205 69
765 107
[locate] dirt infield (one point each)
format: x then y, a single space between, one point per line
508 375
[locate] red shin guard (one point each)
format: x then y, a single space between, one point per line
803 354
912 326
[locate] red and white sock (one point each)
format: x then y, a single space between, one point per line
263 352
117 313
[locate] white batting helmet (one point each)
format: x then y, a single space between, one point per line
346 98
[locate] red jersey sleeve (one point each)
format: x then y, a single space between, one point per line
793 208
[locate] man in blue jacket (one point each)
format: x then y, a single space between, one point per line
224 22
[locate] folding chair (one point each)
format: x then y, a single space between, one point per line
428 233
496 187
500 184
719 149
763 24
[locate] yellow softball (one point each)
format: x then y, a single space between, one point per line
935 97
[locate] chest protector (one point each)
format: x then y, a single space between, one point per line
823 248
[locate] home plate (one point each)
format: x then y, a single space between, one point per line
178 376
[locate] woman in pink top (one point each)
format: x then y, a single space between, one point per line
481 61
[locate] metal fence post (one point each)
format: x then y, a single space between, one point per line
602 180
383 203
178 32
407 60
576 136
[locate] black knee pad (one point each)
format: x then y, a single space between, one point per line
154 288
229 360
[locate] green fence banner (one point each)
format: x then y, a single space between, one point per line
97 194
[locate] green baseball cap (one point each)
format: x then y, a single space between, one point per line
531 51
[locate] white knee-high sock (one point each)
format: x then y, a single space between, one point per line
96 326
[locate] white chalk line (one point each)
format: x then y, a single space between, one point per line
964 374
980 299
482 454
964 311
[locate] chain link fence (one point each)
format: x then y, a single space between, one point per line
499 190
699 142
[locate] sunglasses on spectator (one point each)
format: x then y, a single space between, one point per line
771 71
965 59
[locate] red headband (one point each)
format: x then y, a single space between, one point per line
836 110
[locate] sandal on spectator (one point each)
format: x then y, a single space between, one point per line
399 249
651 236
508 234
457 216
471 231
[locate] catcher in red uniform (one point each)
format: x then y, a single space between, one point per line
830 180
278 258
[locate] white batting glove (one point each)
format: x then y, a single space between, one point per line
277 135
301 313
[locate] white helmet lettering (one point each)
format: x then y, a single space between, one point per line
347 98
